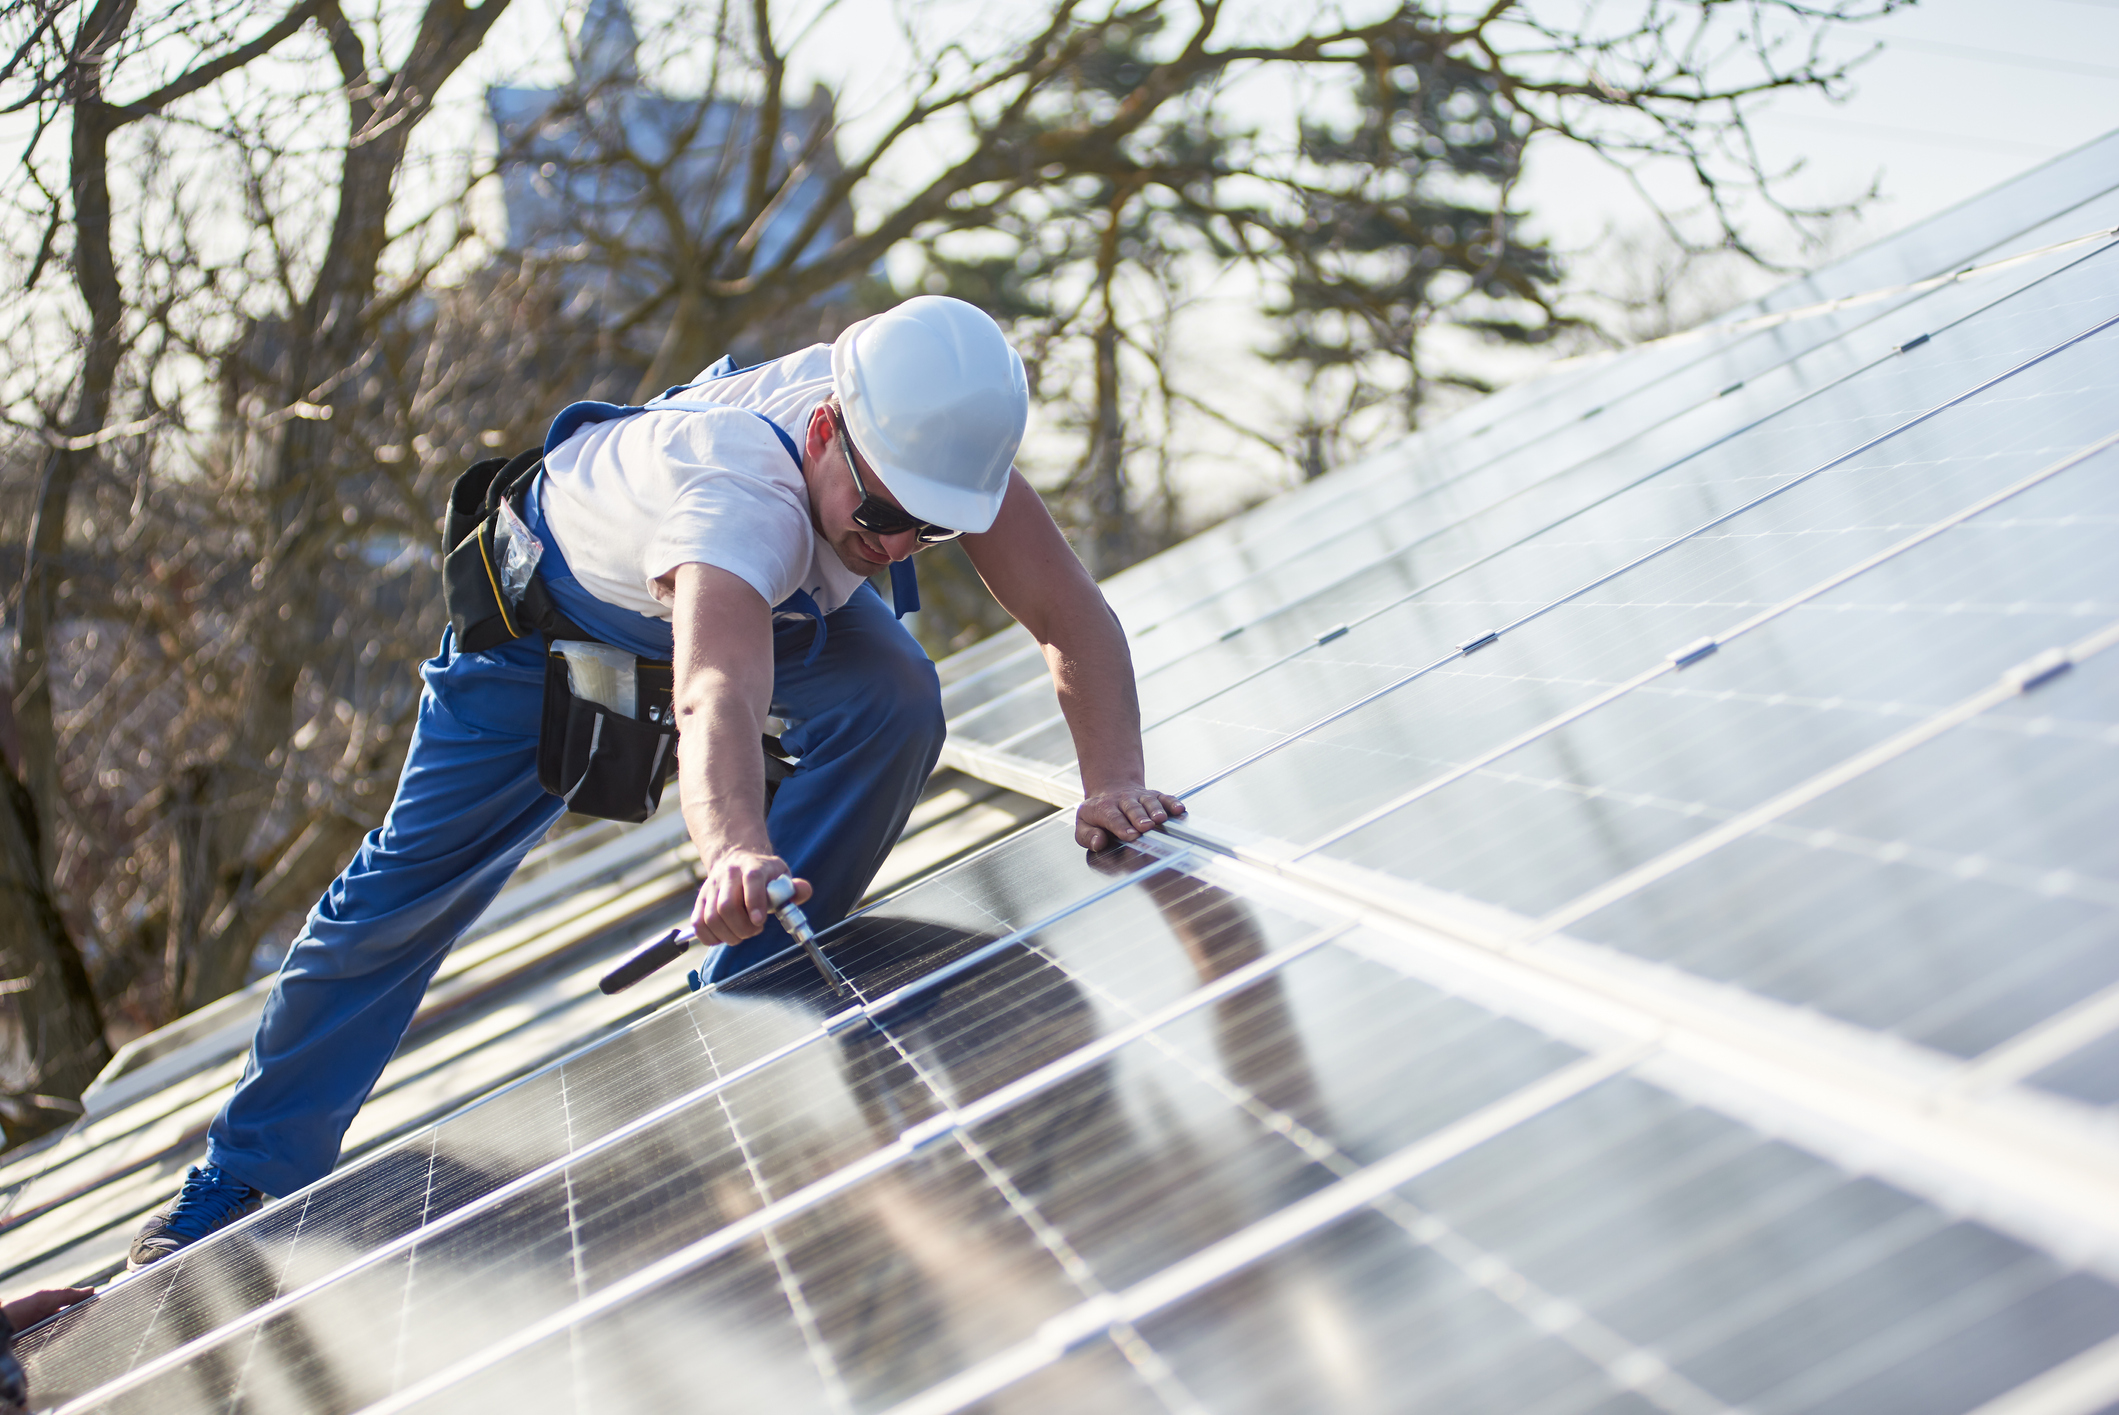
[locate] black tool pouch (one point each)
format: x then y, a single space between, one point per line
480 610
599 761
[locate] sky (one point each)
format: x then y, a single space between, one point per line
1964 95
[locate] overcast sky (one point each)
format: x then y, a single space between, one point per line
1965 94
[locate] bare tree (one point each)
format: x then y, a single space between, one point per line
220 597
225 883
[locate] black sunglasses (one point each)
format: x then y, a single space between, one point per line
877 515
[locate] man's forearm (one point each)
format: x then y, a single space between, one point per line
1093 675
721 778
723 638
1025 561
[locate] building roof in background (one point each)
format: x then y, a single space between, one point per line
603 165
1646 937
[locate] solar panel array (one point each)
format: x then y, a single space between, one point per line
1644 941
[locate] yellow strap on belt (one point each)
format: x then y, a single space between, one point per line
493 580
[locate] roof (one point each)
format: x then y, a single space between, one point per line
1645 937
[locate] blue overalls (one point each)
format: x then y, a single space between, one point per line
863 708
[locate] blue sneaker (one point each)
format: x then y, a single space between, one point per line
210 1200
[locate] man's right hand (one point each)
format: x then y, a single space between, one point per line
732 905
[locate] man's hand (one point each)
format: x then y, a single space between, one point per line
1123 813
25 1312
732 905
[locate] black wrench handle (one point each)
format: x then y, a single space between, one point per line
667 949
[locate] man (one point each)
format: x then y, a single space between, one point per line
730 528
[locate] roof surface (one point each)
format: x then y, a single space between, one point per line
1646 938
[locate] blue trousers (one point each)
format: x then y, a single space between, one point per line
864 716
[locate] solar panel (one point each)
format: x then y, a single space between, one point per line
1644 940
1521 551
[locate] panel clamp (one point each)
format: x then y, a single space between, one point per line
1914 343
1337 633
937 1127
1081 1325
2040 670
1474 645
840 1021
1692 653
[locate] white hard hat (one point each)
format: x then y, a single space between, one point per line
936 401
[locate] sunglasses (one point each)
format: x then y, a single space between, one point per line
876 515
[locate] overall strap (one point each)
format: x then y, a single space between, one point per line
904 579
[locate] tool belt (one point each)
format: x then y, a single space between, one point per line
607 737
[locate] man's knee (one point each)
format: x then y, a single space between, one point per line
885 696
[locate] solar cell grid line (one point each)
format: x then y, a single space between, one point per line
1500 569
1600 647
1965 896
1671 663
2025 677
813 1342
576 1264
1146 1363
398 1352
645 1279
1147 1366
1267 1236
216 1252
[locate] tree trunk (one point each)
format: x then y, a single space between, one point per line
60 1047
328 340
61 1027
1110 526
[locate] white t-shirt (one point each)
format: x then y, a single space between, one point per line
630 500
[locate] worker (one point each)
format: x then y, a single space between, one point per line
728 528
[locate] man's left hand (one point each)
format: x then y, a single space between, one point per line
1125 813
